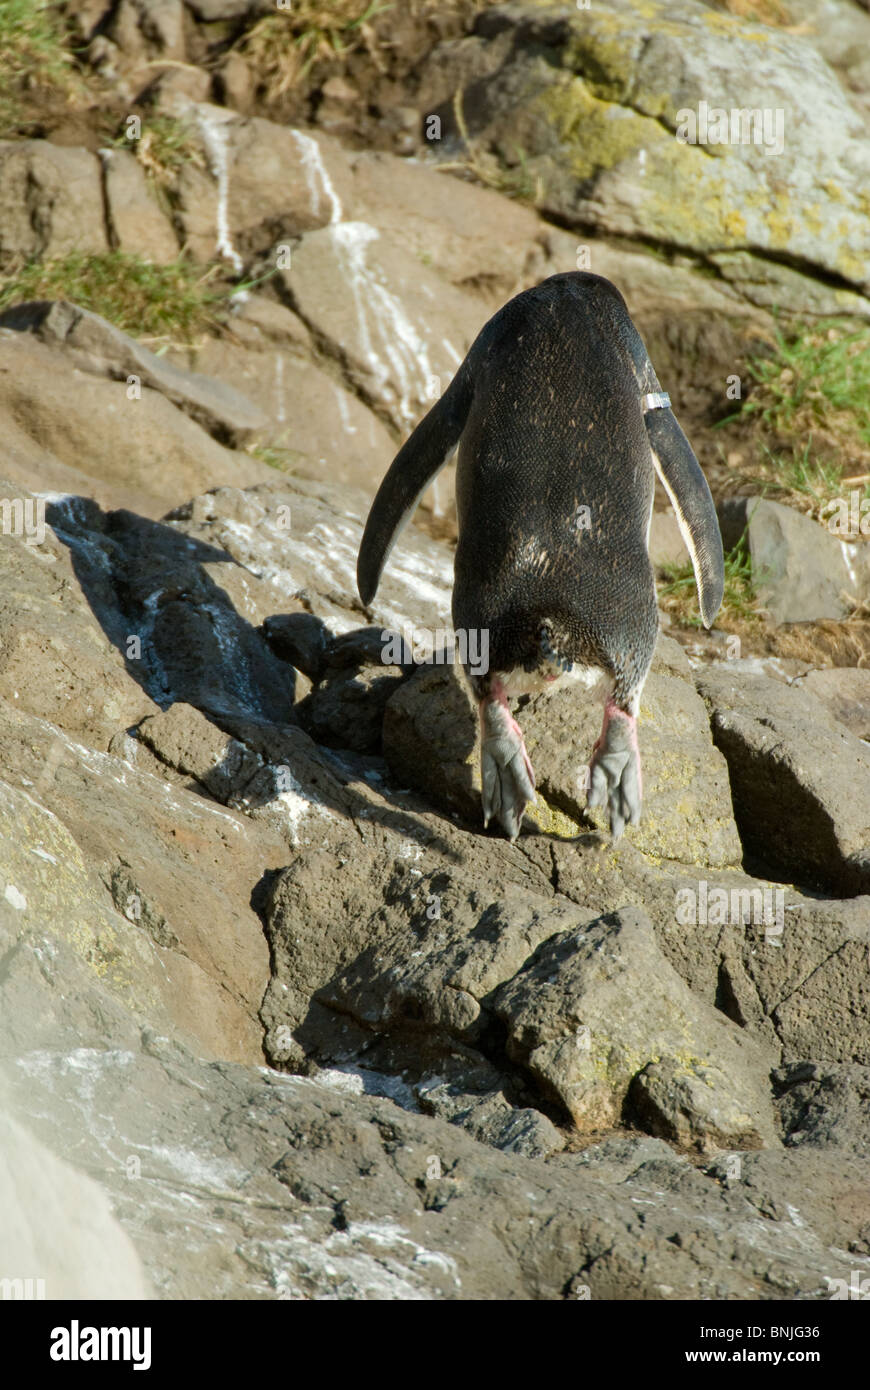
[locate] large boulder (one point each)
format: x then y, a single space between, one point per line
607 1026
799 780
591 102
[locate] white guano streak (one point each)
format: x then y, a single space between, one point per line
381 316
215 138
316 175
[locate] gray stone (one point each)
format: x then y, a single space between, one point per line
400 330
799 570
592 99
845 693
598 1005
825 1106
347 709
430 740
91 343
58 1235
187 741
139 226
799 780
51 202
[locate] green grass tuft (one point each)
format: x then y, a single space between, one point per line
177 302
678 595
817 378
33 58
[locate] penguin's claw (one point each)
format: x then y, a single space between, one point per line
506 774
614 771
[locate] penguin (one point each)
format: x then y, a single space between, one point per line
562 425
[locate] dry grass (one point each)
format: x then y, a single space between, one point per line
282 48
826 643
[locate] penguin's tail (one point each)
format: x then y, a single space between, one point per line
419 460
552 642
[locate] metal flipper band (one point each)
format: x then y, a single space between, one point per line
656 400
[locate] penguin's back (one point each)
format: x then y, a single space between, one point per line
555 477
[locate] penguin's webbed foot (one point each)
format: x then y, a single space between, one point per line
507 777
614 770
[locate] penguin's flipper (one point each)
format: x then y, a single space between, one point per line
693 504
419 460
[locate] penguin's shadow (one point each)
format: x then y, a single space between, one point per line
157 597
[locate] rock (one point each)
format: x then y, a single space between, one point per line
320 429
687 811
491 1119
139 227
256 1188
600 1019
266 184
59 1223
393 934
146 447
299 638
347 709
800 572
789 969
400 329
841 34
468 234
790 762
92 344
51 203
845 693
142 29
825 1106
809 982
430 740
184 739
213 11
595 101
55 660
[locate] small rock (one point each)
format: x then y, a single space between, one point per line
798 569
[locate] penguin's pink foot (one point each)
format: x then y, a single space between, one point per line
614 769
507 778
